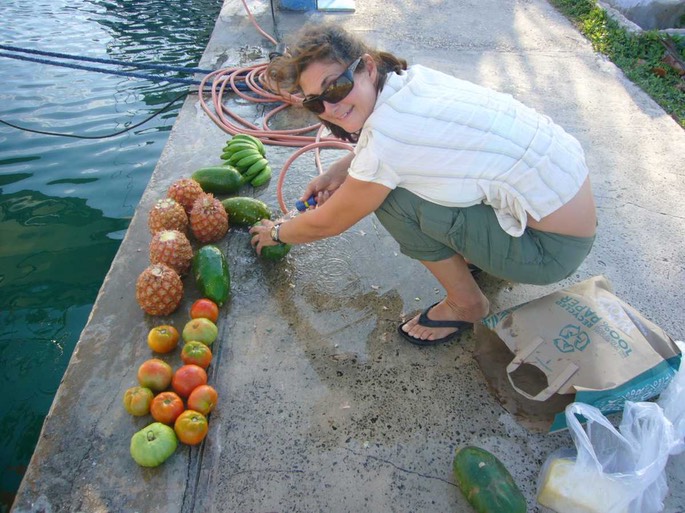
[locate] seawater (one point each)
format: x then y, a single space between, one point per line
65 203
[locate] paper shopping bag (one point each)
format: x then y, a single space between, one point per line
579 344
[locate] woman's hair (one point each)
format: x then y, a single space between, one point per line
327 43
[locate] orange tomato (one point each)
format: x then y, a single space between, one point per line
203 399
205 308
163 339
187 378
191 427
166 407
196 353
155 374
137 400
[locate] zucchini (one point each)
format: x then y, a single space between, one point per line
211 274
275 253
244 211
486 483
218 179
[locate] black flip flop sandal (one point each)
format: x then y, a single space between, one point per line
430 323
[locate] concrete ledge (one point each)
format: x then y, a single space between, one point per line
631 26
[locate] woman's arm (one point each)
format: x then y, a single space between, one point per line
354 200
324 185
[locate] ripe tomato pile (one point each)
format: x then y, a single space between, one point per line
179 400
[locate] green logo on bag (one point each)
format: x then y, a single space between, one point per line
571 338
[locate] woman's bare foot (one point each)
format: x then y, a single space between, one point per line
445 310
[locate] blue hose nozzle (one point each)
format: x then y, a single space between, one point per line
301 206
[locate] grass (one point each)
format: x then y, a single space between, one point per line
639 55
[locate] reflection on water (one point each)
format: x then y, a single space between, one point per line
66 203
58 249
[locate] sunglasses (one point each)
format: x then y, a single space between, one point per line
335 92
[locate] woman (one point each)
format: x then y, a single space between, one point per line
461 176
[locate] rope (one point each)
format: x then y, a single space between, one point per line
43 132
162 67
102 70
221 81
239 80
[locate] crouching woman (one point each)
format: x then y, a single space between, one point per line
464 178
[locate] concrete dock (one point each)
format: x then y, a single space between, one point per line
323 407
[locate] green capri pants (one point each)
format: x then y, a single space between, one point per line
431 232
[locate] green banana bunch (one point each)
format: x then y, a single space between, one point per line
248 155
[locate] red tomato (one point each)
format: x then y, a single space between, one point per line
205 308
163 339
155 374
166 407
137 400
203 399
187 378
191 427
196 353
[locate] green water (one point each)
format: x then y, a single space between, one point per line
65 203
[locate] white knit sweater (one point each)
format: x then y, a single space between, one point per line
458 144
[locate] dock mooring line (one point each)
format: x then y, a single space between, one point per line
75 136
161 67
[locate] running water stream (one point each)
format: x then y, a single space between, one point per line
65 203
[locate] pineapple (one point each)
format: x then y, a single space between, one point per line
159 290
208 219
172 248
167 214
185 191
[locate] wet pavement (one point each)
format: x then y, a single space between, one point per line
323 407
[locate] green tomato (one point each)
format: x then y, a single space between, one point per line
152 445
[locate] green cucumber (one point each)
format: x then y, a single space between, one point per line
218 179
486 483
211 274
275 253
245 211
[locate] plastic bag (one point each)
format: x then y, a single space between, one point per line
672 401
617 471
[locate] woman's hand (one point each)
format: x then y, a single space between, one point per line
261 235
355 200
323 186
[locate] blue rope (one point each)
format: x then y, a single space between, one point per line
105 61
76 136
239 86
242 87
102 70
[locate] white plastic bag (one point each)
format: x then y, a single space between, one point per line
672 401
617 471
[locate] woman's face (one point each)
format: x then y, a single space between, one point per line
351 112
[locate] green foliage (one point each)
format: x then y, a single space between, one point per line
639 55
